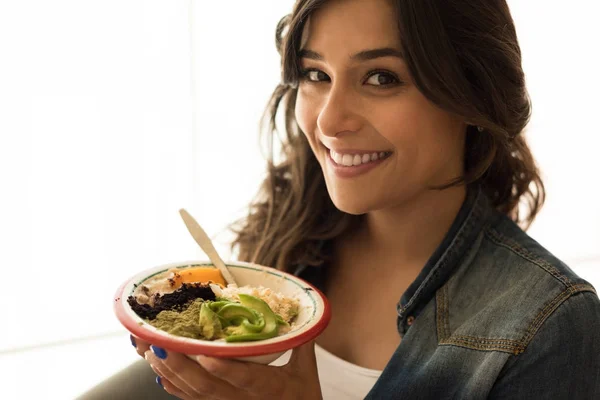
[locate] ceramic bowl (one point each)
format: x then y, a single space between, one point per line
313 317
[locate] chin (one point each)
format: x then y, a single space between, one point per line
351 200
351 206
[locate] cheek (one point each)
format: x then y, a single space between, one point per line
305 116
427 140
401 125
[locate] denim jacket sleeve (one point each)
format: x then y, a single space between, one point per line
563 359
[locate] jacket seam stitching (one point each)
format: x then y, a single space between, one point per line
511 349
551 307
442 314
516 347
505 242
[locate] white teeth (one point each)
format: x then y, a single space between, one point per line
347 160
337 157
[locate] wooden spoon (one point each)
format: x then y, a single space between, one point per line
206 245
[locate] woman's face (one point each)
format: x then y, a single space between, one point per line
379 141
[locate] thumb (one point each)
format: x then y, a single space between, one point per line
304 355
303 365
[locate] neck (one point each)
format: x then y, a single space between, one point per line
412 231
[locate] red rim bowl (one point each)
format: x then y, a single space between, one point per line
313 318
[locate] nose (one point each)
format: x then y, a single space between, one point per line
339 113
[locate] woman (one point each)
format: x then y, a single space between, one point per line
404 177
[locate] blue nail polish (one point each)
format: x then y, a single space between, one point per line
158 382
133 343
160 353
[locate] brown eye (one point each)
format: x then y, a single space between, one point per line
381 79
314 75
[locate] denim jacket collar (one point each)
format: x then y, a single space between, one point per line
469 222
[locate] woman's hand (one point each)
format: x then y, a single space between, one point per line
140 346
214 378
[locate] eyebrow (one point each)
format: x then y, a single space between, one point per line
365 55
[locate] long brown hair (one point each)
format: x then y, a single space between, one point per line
464 56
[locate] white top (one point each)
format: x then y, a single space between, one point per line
340 380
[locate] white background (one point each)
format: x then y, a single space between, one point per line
115 114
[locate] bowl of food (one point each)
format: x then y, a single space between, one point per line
187 307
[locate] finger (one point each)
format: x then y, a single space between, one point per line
260 380
140 345
303 364
189 377
172 389
303 357
166 374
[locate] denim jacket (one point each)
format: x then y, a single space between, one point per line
492 315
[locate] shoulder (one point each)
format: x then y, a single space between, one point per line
562 360
504 237
506 289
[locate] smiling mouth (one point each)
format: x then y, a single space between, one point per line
349 159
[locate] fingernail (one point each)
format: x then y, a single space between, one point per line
133 343
160 353
158 382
